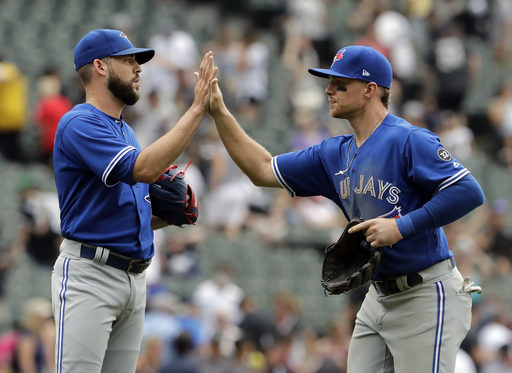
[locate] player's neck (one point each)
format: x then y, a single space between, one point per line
366 125
105 103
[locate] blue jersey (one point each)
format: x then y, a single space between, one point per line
396 170
94 155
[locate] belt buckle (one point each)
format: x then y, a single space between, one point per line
144 264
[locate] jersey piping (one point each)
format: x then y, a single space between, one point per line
452 180
113 163
280 178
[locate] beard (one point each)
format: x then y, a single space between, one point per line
123 91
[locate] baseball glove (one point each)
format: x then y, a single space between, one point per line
169 198
350 262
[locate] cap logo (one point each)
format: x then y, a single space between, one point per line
366 73
123 35
338 56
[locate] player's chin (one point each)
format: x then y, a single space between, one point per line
336 113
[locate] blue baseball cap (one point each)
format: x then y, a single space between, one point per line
359 62
103 43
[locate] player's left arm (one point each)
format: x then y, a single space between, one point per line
445 207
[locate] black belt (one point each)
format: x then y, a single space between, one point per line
401 283
131 266
388 287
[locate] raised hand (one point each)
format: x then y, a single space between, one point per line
207 73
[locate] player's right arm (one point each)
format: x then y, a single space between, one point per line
251 157
155 158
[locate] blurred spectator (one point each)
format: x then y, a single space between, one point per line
361 17
309 18
257 327
186 359
393 31
162 322
455 135
314 212
227 203
7 256
464 363
227 333
308 130
153 118
335 343
39 230
170 73
499 111
14 108
49 108
499 282
219 293
499 242
124 22
313 360
181 256
493 337
298 55
413 111
287 314
432 113
157 267
252 67
150 357
191 321
501 31
227 47
448 61
502 363
213 361
35 349
246 358
277 356
370 38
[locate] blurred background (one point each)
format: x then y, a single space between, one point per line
240 291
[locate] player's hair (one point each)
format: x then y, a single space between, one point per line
386 95
85 72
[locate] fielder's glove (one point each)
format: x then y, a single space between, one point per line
350 262
169 198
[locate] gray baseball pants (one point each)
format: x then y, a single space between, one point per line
99 314
418 330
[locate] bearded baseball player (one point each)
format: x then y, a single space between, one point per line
102 178
405 186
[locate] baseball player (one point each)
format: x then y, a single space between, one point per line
405 186
102 177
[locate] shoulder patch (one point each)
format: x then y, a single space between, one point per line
444 155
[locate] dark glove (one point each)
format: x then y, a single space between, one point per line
169 198
350 262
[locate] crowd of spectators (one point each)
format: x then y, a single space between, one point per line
442 82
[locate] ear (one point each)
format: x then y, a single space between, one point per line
371 88
100 67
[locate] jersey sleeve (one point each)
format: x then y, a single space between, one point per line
429 164
94 146
302 173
